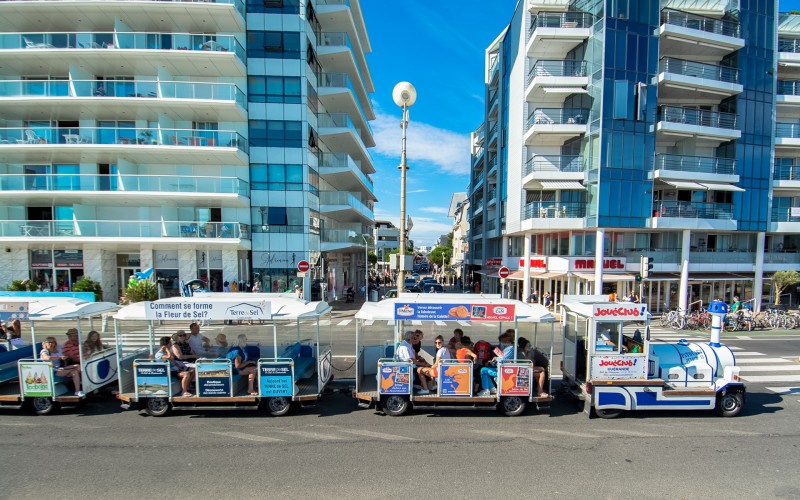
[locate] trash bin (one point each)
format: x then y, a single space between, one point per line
373 296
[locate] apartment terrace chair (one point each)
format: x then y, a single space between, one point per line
32 138
29 44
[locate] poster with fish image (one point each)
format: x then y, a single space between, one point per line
36 379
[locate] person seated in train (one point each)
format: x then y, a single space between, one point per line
177 367
181 348
14 330
464 352
458 334
483 350
489 373
242 364
220 347
405 353
51 352
442 352
92 345
71 349
539 365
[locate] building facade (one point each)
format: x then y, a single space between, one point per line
459 207
223 140
615 130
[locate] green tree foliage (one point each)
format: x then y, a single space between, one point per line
373 259
436 255
22 286
782 280
87 284
140 291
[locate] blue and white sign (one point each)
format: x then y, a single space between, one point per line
194 309
275 379
151 379
213 378
9 311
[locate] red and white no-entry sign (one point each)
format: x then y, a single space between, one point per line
303 266
503 272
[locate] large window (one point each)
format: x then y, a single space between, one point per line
273 44
273 6
276 133
276 177
279 89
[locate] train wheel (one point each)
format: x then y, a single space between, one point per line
730 405
157 407
395 406
44 406
512 406
607 412
278 407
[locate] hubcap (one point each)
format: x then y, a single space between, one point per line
277 404
41 403
512 404
394 403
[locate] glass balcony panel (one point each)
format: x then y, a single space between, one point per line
546 163
553 210
342 80
558 116
563 68
125 183
123 229
788 87
699 117
784 214
788 45
561 20
343 160
698 22
701 164
787 130
347 199
699 70
690 210
787 173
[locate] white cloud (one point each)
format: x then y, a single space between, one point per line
446 150
426 230
435 210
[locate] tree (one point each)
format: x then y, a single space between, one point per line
87 284
782 280
22 286
140 291
441 255
373 259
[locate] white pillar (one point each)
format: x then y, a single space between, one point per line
758 279
683 290
598 261
526 279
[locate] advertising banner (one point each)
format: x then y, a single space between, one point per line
394 378
465 312
515 380
619 312
275 379
455 379
213 379
194 309
9 311
36 379
151 379
622 367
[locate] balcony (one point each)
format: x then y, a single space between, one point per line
344 173
174 15
553 126
788 50
553 80
108 144
138 190
140 53
332 240
786 176
338 94
552 215
343 16
787 137
693 215
211 233
709 128
341 135
694 36
492 136
337 54
695 168
785 220
682 79
552 167
553 34
788 93
345 207
492 197
121 99
787 257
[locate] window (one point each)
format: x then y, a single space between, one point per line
276 177
276 133
273 44
273 6
275 89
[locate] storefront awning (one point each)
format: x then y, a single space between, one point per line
684 184
549 275
574 185
609 277
721 186
702 186
520 274
489 273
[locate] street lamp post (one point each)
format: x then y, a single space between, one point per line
404 95
366 269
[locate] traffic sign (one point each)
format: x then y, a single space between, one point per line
303 266
503 272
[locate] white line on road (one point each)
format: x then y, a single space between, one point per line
770 368
743 337
369 322
416 322
734 348
626 432
440 323
377 435
313 435
761 360
249 437
463 323
345 322
771 378
749 353
508 435
567 433
784 390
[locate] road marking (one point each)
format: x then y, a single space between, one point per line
508 435
416 322
761 360
784 390
731 431
743 337
344 322
440 323
750 353
17 424
463 323
771 378
369 322
567 433
249 437
734 348
377 435
770 368
313 435
623 432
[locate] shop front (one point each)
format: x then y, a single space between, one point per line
56 270
209 268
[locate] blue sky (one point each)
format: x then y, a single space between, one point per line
439 47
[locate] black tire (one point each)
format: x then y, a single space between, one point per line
157 407
395 406
278 407
607 413
729 405
44 406
512 406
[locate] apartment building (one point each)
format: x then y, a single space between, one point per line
615 130
459 206
224 140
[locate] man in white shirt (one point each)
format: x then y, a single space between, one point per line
198 342
405 353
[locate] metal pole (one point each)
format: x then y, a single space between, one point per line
403 168
366 269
